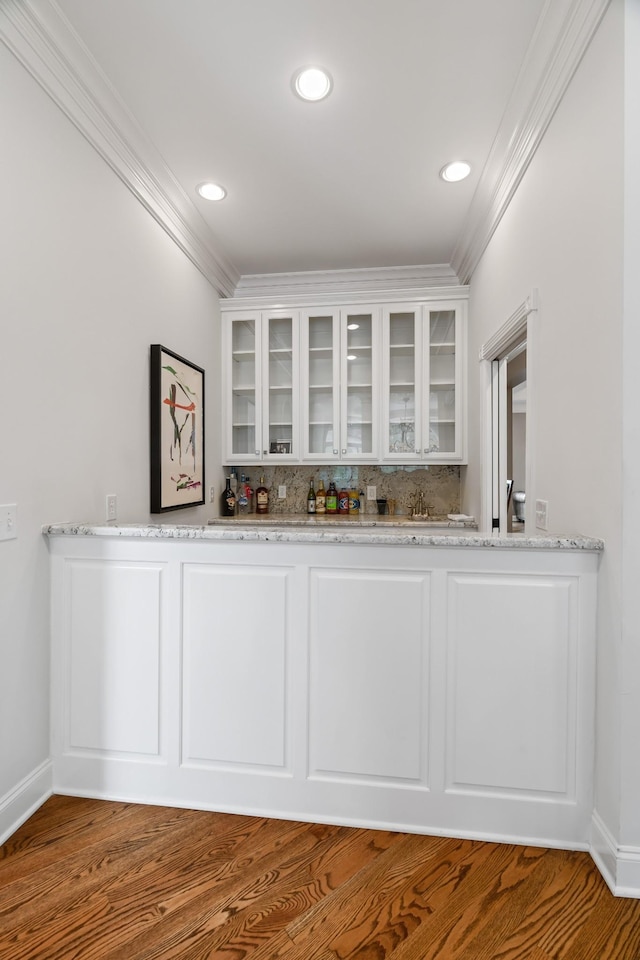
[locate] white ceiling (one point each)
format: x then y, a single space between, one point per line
174 92
350 182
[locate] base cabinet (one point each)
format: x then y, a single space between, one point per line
438 690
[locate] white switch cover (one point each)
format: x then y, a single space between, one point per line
542 507
112 507
282 491
8 521
371 493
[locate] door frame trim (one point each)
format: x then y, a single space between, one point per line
521 322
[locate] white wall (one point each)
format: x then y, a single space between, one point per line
88 280
563 234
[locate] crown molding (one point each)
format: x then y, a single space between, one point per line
562 36
345 283
41 39
305 300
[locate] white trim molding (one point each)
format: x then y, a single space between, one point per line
519 323
563 33
345 283
42 40
618 864
22 802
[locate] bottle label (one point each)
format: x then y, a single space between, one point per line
332 503
321 505
343 503
311 506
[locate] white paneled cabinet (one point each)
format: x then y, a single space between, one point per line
339 383
440 689
369 382
423 382
261 387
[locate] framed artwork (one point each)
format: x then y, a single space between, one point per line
280 446
177 431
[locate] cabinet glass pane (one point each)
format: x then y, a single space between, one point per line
359 438
321 386
442 381
280 385
402 386
243 386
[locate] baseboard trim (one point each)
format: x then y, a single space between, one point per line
19 804
618 864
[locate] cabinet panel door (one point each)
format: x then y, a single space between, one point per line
511 693
442 436
359 373
280 386
402 383
243 389
235 653
369 697
320 352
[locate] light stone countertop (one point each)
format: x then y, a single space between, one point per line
303 529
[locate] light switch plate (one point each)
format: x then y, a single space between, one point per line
282 491
112 507
371 493
8 521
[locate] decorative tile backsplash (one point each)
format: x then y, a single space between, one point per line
439 485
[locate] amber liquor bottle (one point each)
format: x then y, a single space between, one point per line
262 498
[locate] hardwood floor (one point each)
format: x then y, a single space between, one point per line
88 879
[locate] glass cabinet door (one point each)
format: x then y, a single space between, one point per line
245 388
402 342
443 387
280 387
358 386
321 401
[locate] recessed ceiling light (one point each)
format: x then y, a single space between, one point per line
351 356
211 191
312 83
456 170
353 326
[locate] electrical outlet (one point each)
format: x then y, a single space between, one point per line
282 491
542 520
371 493
8 521
212 494
112 506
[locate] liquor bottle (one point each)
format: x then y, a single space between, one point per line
262 498
332 499
243 499
227 501
250 496
343 501
311 498
321 499
354 502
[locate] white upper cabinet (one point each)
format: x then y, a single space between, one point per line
261 387
423 382
381 383
339 382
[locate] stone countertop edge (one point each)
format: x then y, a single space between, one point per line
455 537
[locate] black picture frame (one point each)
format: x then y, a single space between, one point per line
176 431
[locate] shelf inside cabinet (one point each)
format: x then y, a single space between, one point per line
243 391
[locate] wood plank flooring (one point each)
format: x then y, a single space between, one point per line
88 879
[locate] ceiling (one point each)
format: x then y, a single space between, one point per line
341 194
350 182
